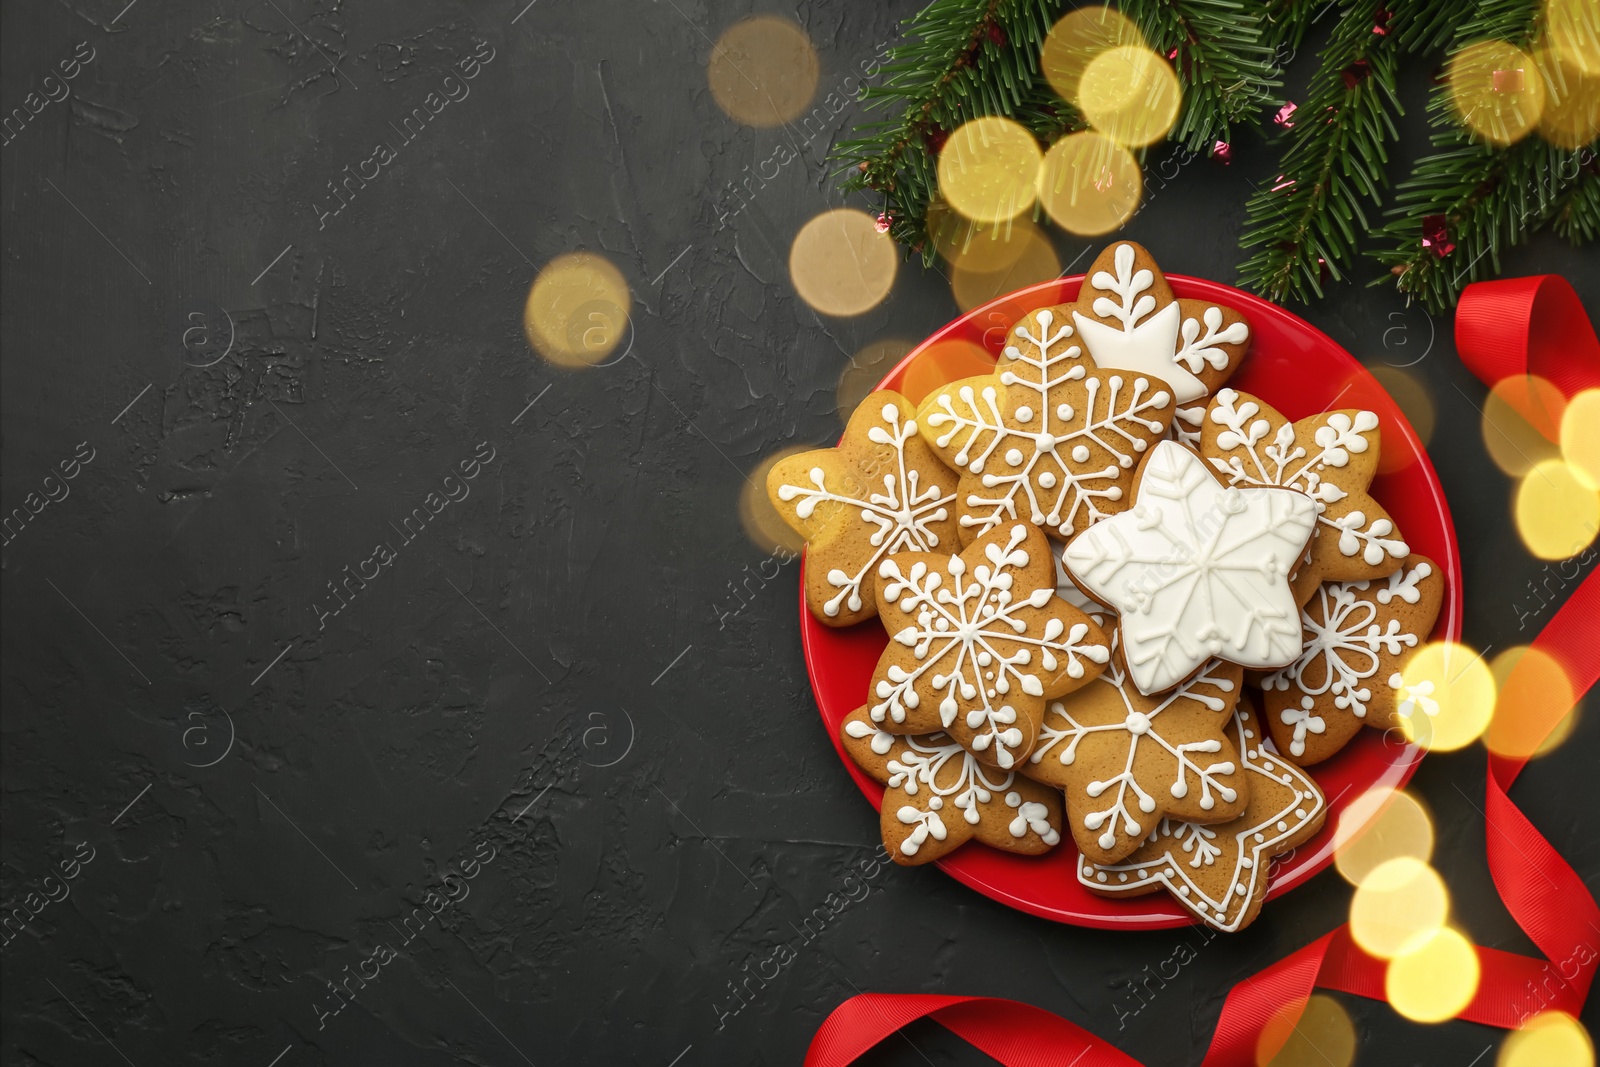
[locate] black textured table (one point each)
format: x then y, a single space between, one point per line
542 790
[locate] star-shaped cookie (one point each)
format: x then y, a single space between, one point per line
1356 637
978 642
1331 457
1196 570
881 491
1219 872
1125 761
937 796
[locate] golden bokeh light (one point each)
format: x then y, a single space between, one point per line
1557 511
1435 980
1580 437
763 71
1571 116
762 524
1549 1039
1415 403
943 362
1130 94
988 169
978 246
1323 1036
1398 907
1497 90
1521 422
1380 825
1077 38
577 310
840 264
1445 696
1036 262
863 373
1573 30
1090 184
1533 710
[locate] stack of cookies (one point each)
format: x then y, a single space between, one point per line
1080 561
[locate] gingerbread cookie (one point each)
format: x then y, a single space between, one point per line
1331 457
1147 752
1050 437
882 490
1356 639
978 643
937 796
1196 570
1218 873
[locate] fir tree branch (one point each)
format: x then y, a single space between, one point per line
1576 218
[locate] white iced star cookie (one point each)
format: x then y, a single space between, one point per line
1196 570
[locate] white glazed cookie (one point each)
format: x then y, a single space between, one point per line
1356 638
1219 873
1196 570
978 642
882 490
937 796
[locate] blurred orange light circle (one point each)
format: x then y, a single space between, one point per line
1090 184
840 264
988 169
763 71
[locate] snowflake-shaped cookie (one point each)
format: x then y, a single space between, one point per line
1196 570
1356 638
1330 457
882 490
978 643
1050 437
1126 761
937 796
1219 872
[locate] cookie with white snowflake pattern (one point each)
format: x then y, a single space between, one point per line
937 796
1219 872
1050 437
1330 457
978 642
1126 761
1128 318
1356 638
1196 570
881 491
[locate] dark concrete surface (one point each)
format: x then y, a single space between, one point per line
536 722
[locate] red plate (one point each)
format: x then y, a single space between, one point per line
1300 371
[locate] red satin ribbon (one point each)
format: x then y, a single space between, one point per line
1514 326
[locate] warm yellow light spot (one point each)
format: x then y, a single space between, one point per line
1380 825
1557 513
1417 406
1521 421
1580 437
988 169
1434 981
1497 90
1534 703
1130 94
863 373
577 310
1549 1039
942 363
1323 1036
1445 696
1399 905
1089 184
1076 39
763 71
1573 30
978 246
1571 116
840 264
1036 262
762 524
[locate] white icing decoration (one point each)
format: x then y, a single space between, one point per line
1303 721
902 512
1110 407
1412 697
967 616
1031 815
1283 462
1197 570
